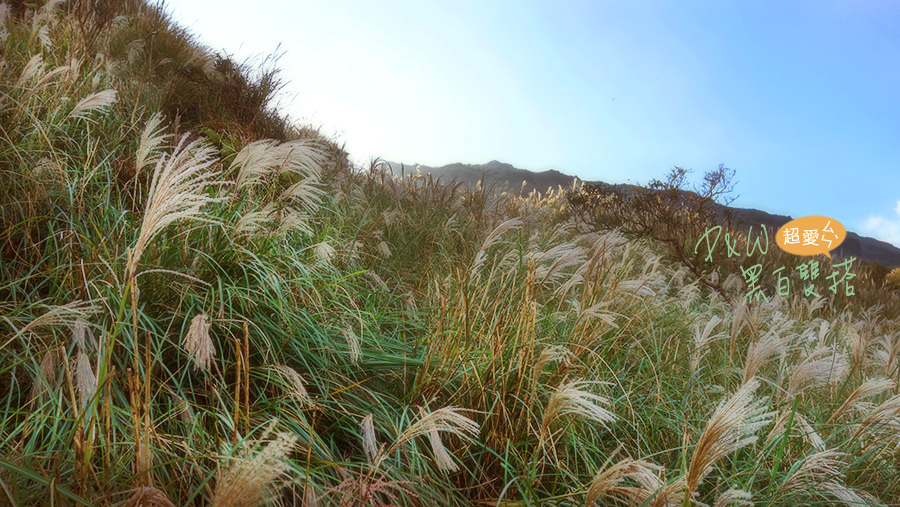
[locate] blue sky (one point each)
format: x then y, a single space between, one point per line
799 97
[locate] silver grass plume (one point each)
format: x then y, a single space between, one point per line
259 160
147 496
46 78
256 222
324 252
46 376
384 250
596 311
882 420
734 497
198 343
310 499
367 433
868 389
33 68
177 192
442 457
352 343
821 471
775 342
85 380
68 314
293 384
702 339
251 478
822 366
732 426
253 163
481 256
800 425
573 398
554 353
152 137
609 483
93 102
447 419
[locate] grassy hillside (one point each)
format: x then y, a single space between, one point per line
204 303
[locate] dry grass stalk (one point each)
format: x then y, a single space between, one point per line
731 427
93 102
252 477
572 398
198 343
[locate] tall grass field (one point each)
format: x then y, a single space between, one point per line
203 302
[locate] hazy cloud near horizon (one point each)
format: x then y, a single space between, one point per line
883 228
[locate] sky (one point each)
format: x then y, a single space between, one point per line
800 98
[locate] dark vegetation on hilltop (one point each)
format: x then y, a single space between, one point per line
202 302
500 176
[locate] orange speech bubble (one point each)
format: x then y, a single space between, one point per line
811 235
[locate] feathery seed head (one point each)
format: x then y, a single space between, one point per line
177 192
294 383
152 137
93 102
85 379
198 343
609 483
367 433
573 398
732 426
252 477
734 497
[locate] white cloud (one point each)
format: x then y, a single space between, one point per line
884 228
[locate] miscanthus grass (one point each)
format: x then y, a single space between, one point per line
182 266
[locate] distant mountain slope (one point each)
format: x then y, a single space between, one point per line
495 173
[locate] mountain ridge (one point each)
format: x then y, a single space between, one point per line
497 173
